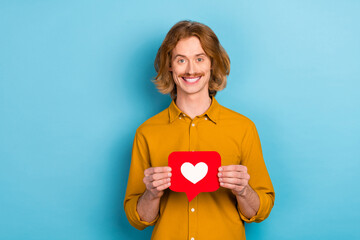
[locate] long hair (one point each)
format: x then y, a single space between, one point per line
220 62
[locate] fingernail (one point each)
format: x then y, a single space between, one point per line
220 169
220 174
220 179
169 174
221 184
169 168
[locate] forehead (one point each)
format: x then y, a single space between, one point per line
188 47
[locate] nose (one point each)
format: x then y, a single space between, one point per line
190 68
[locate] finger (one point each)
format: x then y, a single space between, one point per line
160 182
232 187
158 176
163 187
241 175
152 186
230 168
234 181
153 170
159 186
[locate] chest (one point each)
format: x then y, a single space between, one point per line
195 136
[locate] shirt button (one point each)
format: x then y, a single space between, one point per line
184 114
193 209
193 124
179 117
205 118
192 239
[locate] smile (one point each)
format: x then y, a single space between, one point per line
191 79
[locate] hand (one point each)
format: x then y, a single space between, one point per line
156 180
234 177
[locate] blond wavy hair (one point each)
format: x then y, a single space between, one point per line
220 61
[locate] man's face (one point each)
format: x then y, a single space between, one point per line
190 67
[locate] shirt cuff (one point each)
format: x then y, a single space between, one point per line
133 215
265 207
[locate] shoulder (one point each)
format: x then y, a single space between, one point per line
152 124
228 115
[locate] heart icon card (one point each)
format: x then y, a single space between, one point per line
194 172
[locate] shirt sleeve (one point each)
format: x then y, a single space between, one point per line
260 181
136 187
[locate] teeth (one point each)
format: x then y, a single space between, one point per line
191 80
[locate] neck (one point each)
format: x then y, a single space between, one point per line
193 105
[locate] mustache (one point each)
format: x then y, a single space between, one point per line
200 74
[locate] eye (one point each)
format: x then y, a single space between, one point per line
181 60
199 59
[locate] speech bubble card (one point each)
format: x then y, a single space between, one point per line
194 172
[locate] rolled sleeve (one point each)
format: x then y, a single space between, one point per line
266 204
133 216
260 180
135 186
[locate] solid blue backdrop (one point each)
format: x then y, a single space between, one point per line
75 83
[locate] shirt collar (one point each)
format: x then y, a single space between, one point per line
212 113
174 111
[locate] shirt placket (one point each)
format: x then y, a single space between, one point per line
193 205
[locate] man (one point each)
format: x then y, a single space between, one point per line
192 66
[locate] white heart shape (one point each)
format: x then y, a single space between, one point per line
194 173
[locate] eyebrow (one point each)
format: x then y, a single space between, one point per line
180 55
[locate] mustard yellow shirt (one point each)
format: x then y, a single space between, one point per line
213 215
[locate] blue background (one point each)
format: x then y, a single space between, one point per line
75 85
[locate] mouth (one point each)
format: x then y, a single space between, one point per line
191 80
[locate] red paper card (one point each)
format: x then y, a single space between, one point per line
194 172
